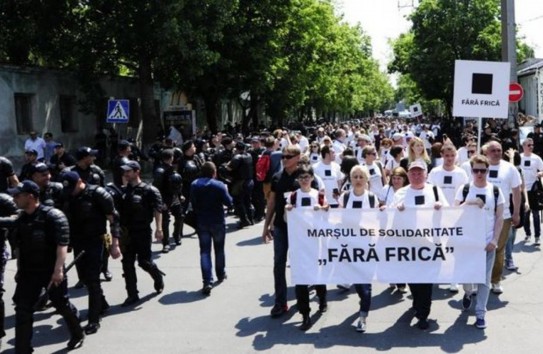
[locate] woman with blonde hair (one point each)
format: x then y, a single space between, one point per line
416 151
360 197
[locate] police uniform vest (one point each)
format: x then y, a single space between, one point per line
169 184
7 208
38 235
139 204
118 162
87 213
6 170
92 175
242 167
51 195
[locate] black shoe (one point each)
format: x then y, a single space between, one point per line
206 290
423 324
278 310
131 300
159 284
76 342
466 302
306 323
178 241
92 328
107 275
165 249
222 278
79 285
323 306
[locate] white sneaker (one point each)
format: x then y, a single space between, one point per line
497 288
361 325
453 288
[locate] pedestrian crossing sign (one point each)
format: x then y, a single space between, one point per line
118 111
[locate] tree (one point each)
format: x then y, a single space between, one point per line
442 32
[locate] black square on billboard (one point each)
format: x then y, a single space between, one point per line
481 84
415 109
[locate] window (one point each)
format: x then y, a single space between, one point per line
68 121
24 112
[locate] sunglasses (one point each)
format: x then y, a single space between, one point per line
371 153
304 177
479 170
288 157
471 151
530 145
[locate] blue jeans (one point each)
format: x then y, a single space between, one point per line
364 293
509 245
208 234
280 251
483 290
537 223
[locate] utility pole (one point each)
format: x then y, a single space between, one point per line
509 49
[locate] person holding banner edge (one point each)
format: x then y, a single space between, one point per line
480 193
307 197
360 197
283 182
419 194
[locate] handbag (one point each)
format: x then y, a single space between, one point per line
535 196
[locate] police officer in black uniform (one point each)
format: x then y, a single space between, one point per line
8 178
242 184
42 239
50 192
31 158
537 137
7 208
169 182
85 167
189 167
60 161
123 151
257 197
88 208
140 205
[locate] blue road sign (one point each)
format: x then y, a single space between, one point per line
118 111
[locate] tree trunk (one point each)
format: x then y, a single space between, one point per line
150 120
211 102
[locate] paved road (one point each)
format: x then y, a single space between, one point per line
235 318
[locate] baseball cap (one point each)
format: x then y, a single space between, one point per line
39 167
69 180
123 144
418 164
59 145
31 152
85 151
131 166
25 186
397 136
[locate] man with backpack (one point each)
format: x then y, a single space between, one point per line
484 195
257 153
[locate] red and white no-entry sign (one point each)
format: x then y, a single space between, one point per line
515 92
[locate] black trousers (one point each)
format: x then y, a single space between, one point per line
422 299
27 292
176 211
89 267
302 297
137 246
259 202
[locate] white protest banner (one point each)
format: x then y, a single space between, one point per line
411 246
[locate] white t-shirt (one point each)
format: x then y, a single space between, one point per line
506 177
530 166
419 198
385 156
462 155
331 176
303 199
358 201
426 136
490 204
391 164
314 158
448 181
387 194
376 178
338 147
304 144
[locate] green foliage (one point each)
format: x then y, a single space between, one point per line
444 31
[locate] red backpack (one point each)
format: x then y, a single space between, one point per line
263 166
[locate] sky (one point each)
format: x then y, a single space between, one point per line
383 20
